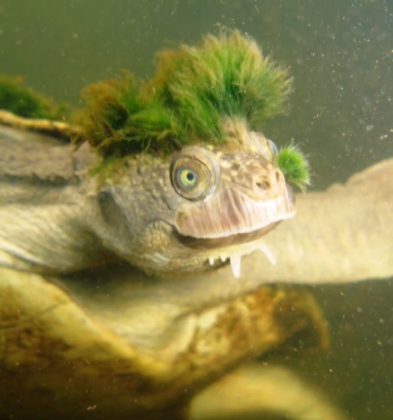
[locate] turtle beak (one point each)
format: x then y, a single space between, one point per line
232 212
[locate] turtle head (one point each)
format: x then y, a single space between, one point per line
229 191
195 180
229 198
199 207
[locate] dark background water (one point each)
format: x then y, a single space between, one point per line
340 53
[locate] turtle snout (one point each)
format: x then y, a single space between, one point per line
267 183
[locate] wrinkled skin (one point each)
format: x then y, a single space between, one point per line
157 338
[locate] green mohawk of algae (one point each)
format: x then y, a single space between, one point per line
194 90
226 77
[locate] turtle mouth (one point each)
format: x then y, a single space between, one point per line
231 248
232 212
225 241
231 225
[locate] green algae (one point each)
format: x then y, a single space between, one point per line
25 102
193 92
190 98
294 165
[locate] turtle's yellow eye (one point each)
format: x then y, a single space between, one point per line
193 175
187 178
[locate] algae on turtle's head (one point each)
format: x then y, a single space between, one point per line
294 166
192 93
190 98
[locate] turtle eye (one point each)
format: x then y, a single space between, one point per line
192 178
186 178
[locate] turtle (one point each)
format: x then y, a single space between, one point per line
122 237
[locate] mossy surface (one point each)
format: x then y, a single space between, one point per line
25 102
193 92
294 166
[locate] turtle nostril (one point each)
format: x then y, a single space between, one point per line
263 185
267 183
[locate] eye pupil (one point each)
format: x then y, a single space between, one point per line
193 176
187 178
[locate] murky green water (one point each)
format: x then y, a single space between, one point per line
341 56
